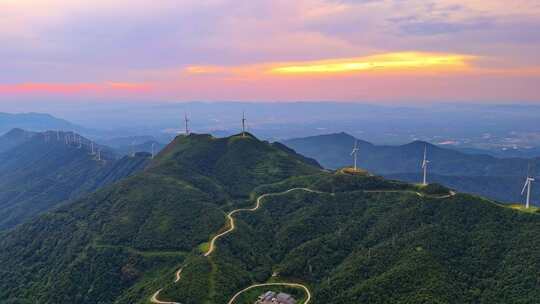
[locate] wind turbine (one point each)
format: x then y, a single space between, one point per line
153 147
186 120
425 163
244 124
354 154
527 186
133 149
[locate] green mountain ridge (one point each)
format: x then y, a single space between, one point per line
41 171
347 237
368 240
116 244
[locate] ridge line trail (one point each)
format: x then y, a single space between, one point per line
258 204
420 194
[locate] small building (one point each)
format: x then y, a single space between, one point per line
271 297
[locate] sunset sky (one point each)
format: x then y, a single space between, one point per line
270 50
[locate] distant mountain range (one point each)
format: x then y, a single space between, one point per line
498 178
34 122
348 237
40 170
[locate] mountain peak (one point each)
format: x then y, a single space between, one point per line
240 163
17 133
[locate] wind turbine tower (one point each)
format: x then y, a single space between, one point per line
153 150
186 120
425 163
527 187
354 154
244 124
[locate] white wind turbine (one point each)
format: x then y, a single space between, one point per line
244 124
153 150
354 154
186 120
527 186
425 163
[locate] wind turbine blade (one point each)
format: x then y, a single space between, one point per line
525 187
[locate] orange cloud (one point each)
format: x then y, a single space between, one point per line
396 62
390 61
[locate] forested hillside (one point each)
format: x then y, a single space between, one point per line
42 170
368 240
120 243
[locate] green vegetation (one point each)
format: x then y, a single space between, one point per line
360 239
522 208
125 241
36 174
360 246
251 295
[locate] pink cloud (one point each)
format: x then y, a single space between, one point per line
72 88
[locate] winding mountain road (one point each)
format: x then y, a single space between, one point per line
258 204
232 226
154 299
